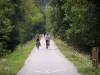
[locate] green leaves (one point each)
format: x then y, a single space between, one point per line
77 21
17 17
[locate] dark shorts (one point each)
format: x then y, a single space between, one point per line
37 40
47 41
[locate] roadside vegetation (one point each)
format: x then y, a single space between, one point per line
20 20
11 63
82 61
75 21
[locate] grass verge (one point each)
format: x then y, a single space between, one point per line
13 62
81 61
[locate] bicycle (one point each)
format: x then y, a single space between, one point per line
37 44
47 44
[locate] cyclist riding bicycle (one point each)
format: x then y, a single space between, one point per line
38 39
47 38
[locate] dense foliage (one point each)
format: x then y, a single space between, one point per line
76 21
19 21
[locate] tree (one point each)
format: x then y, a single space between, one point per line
17 17
76 22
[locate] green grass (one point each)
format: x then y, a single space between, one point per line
13 62
81 61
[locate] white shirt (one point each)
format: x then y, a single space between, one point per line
47 37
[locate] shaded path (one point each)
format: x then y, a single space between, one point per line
47 62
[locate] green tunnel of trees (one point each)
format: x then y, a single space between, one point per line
20 20
75 21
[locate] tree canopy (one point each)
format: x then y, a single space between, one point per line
17 19
75 21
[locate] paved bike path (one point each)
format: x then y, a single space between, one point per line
47 62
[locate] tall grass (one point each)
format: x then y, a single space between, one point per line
82 61
12 63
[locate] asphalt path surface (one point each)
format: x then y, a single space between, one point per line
47 62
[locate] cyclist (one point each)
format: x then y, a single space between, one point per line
47 38
38 39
